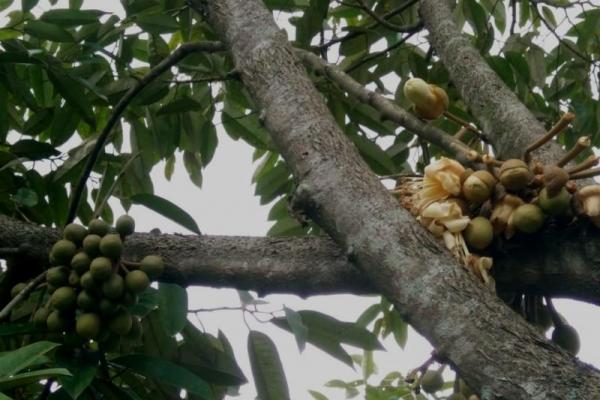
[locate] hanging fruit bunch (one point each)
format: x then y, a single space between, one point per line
90 289
470 209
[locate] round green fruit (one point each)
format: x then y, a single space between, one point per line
528 218
87 301
113 287
153 266
64 298
57 321
137 281
125 225
63 251
101 269
81 262
74 279
432 381
57 276
75 233
108 307
557 205
479 233
91 245
88 325
121 323
88 282
40 316
111 246
566 337
98 227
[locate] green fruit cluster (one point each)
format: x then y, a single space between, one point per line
90 288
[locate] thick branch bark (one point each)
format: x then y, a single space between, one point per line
509 125
562 263
462 319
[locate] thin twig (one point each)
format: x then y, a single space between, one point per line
564 121
179 54
375 24
21 295
382 21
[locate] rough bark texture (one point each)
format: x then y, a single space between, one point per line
499 355
563 263
510 126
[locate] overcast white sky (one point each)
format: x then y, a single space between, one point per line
226 206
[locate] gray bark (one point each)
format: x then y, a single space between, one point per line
562 263
498 354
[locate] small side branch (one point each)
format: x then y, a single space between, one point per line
178 55
388 109
22 295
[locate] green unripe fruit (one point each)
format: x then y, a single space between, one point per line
88 325
91 245
125 225
478 187
432 381
17 289
98 227
101 269
64 298
479 233
137 281
40 316
566 337
63 251
121 323
153 266
556 205
456 396
57 321
515 175
81 262
73 279
75 233
87 301
135 333
108 307
528 218
114 287
129 299
111 246
57 276
88 282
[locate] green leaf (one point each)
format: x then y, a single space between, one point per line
4 4
17 328
267 369
398 327
179 105
31 377
374 155
16 360
33 150
64 124
83 370
549 16
73 93
167 372
38 122
167 209
69 17
27 5
26 197
193 165
76 156
157 23
317 396
299 330
46 31
172 307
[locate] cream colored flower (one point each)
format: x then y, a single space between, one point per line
439 217
441 180
590 199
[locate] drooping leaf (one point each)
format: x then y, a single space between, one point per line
73 92
172 307
46 31
33 150
167 209
69 17
27 378
16 360
299 330
267 369
167 372
157 23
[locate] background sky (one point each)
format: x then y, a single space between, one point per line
226 205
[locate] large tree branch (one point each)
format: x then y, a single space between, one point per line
463 320
509 125
562 263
